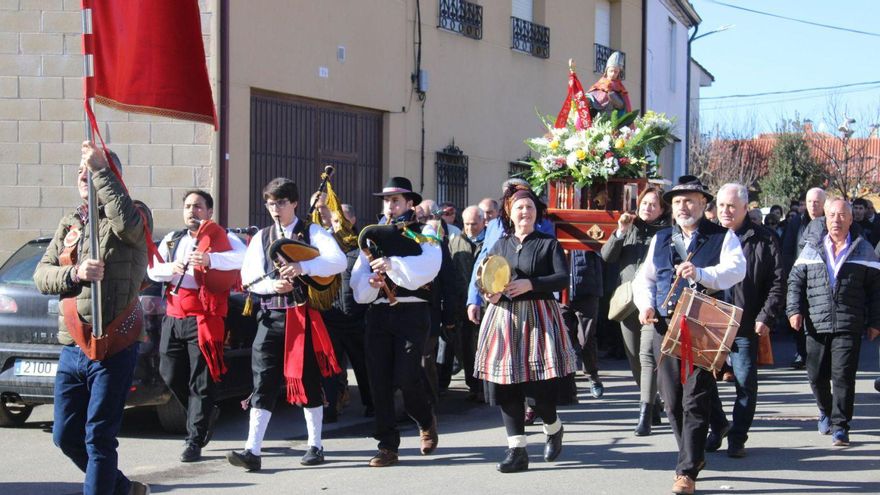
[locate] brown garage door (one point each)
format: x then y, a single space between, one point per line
294 137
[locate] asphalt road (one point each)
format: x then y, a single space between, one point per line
786 455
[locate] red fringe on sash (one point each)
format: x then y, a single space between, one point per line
297 320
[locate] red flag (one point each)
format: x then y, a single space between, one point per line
575 98
149 57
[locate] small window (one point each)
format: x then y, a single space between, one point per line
452 176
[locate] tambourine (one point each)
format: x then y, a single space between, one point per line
493 274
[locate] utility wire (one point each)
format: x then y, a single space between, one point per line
790 91
724 106
811 23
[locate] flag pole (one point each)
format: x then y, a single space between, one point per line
94 244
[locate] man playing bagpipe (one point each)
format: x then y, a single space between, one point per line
202 265
391 277
292 348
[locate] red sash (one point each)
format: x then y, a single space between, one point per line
210 327
297 321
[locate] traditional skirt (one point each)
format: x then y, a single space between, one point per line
523 341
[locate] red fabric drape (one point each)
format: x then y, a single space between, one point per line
149 57
609 85
687 353
578 99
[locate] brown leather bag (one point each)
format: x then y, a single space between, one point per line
765 351
118 335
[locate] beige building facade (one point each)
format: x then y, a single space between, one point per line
300 84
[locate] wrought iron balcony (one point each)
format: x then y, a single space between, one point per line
529 37
462 17
602 54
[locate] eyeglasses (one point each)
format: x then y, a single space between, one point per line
277 204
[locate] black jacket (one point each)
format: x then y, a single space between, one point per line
345 312
586 275
761 295
856 292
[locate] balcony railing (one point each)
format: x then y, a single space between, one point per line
529 37
452 176
462 17
602 54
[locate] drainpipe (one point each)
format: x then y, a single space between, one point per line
223 158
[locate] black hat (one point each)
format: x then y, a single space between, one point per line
400 185
687 184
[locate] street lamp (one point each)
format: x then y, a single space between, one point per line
724 27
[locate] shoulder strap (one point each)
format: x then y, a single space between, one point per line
174 242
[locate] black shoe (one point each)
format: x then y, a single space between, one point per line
369 412
553 447
515 460
658 411
877 384
736 451
713 441
313 457
191 453
212 420
799 362
646 416
244 459
138 488
597 390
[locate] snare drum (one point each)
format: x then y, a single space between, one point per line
711 324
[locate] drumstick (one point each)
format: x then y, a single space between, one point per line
675 283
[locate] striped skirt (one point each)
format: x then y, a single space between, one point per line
523 341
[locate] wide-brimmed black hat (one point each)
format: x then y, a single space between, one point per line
400 185
687 184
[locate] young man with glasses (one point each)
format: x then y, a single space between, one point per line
292 348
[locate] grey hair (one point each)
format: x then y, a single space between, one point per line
476 210
740 190
833 199
491 200
817 190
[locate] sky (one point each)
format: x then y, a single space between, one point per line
764 54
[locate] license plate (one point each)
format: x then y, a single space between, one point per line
35 367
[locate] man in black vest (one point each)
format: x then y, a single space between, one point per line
292 349
396 335
186 363
716 263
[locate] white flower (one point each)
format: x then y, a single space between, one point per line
558 133
572 159
604 144
611 165
625 131
540 141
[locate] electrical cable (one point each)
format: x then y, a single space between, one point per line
811 23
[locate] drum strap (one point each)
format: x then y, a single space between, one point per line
678 244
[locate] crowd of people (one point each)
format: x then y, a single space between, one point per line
412 315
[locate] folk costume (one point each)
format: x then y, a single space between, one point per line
191 343
396 334
720 263
292 348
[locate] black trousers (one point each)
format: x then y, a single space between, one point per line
185 371
832 361
586 312
395 340
466 352
688 407
348 340
267 363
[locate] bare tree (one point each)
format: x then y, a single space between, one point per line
728 156
853 170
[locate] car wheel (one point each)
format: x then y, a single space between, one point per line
14 413
172 416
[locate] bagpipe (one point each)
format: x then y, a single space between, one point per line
394 239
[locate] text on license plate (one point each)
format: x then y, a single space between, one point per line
35 367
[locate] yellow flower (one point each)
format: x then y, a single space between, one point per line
554 144
581 154
620 143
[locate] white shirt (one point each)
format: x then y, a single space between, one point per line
225 261
730 270
409 272
331 261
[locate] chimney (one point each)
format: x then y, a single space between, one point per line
808 126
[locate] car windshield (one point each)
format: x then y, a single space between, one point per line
19 269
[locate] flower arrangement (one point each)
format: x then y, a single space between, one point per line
616 145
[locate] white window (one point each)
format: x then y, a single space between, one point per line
523 9
603 23
673 53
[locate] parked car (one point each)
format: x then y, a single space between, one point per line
29 348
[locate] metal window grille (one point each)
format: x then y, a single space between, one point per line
602 54
462 17
452 176
529 37
520 167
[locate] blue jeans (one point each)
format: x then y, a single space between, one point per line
743 360
89 399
